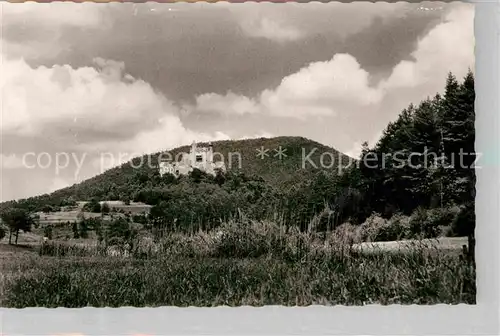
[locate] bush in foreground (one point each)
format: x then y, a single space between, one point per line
423 223
376 228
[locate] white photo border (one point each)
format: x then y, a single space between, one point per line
479 319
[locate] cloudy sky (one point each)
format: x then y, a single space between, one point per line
86 80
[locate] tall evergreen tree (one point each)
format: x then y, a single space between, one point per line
423 158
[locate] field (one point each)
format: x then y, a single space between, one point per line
253 270
62 217
71 214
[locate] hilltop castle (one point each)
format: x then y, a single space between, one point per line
201 158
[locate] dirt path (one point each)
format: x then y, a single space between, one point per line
445 243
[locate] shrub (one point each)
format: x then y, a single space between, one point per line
417 222
76 233
140 218
105 208
252 239
116 241
2 232
83 229
55 249
464 223
47 231
145 248
369 229
429 223
444 216
398 228
92 206
422 225
120 227
245 239
345 235
197 245
296 245
375 228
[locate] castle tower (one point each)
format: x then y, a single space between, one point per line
192 154
210 154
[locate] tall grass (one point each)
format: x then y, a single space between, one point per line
348 279
242 263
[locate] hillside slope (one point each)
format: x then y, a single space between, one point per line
120 182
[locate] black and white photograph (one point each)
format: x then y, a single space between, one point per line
251 154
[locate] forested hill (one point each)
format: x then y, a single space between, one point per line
246 156
240 156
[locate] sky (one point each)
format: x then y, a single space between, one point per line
87 86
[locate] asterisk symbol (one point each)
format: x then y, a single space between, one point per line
262 152
280 152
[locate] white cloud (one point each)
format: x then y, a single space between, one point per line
89 98
356 148
355 151
11 162
319 89
322 88
229 104
447 47
256 136
271 29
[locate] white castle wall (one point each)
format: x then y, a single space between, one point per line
198 157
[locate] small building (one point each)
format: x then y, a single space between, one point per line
201 158
132 207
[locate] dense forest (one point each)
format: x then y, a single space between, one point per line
436 137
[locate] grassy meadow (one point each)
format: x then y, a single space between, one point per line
256 264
